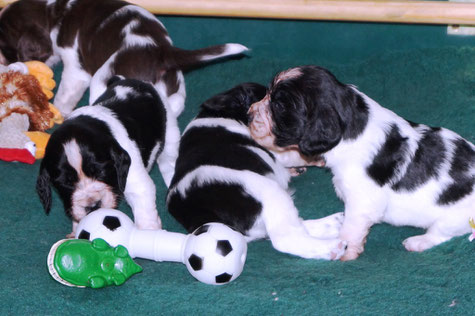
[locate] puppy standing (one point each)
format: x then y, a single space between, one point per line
222 175
386 169
96 40
103 152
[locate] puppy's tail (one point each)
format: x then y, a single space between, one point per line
183 59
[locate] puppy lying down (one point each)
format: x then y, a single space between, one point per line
222 175
385 168
103 152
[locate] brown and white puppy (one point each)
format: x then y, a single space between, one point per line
385 168
96 40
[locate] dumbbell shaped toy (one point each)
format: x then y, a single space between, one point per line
214 253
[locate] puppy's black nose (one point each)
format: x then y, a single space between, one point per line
92 208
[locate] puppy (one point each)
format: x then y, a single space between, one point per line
103 152
96 40
222 175
385 169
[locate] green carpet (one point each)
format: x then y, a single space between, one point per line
417 71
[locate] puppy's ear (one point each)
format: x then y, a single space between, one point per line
34 44
114 79
43 189
121 160
321 133
252 92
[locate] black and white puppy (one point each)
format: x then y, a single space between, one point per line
103 152
96 40
222 175
385 168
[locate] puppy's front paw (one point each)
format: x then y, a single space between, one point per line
419 243
350 255
339 250
352 252
326 227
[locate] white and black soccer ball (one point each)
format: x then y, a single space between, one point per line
215 254
111 225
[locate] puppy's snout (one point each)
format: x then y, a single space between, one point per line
93 207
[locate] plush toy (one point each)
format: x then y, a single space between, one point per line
81 263
472 224
25 112
214 253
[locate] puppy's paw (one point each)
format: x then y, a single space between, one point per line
329 249
352 253
419 243
349 256
326 227
339 250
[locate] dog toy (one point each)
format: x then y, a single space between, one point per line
472 224
25 112
81 263
213 253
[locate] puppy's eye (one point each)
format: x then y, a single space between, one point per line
67 178
94 170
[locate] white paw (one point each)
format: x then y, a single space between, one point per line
338 249
326 227
419 243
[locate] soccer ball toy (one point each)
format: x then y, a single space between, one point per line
213 253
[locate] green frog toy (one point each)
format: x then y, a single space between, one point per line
81 263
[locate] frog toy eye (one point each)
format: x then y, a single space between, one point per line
121 251
100 244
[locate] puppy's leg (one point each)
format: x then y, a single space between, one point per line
354 232
74 81
286 229
140 195
99 80
326 227
445 228
361 212
167 158
176 100
171 89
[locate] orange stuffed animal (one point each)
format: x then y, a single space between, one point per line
25 112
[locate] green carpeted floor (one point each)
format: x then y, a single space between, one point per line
417 71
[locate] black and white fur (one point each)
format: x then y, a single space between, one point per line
385 168
222 175
97 40
103 152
